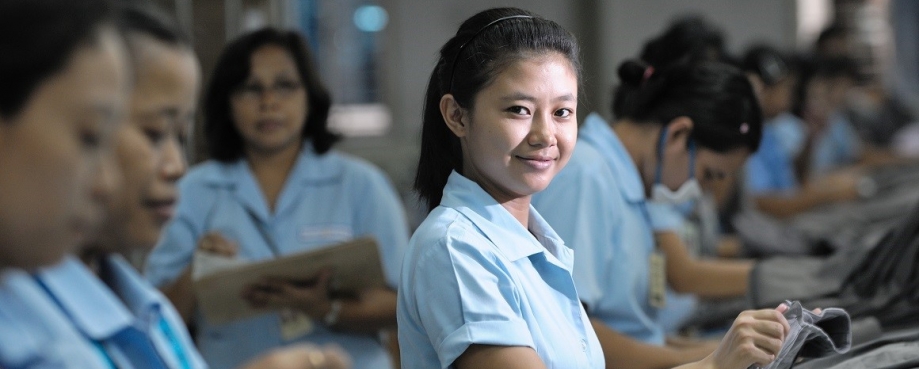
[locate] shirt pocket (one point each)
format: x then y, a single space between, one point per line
315 235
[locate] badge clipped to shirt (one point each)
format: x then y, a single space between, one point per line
657 293
294 324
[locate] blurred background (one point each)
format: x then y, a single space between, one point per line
376 56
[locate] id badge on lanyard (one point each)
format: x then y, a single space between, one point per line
657 292
294 323
657 271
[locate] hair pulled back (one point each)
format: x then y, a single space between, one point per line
717 97
484 45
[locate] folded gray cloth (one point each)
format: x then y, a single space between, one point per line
812 335
893 350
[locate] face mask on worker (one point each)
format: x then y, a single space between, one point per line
689 191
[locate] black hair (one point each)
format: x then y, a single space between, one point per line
141 18
483 46
837 67
37 38
768 63
690 38
822 68
224 142
717 97
831 32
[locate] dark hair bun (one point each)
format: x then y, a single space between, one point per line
632 72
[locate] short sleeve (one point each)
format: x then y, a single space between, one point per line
665 217
849 141
464 295
757 175
791 134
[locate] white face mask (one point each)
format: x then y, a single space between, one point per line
688 191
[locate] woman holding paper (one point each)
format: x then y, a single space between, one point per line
275 187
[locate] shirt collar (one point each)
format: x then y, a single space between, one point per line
19 341
142 299
597 133
92 306
310 167
499 226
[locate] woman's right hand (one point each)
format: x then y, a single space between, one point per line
756 337
216 243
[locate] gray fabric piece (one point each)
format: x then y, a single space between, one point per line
879 280
812 335
894 350
865 330
802 278
893 356
765 235
833 227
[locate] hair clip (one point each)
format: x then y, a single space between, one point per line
744 128
648 72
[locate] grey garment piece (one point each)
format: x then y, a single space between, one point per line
840 225
880 279
814 277
836 226
764 235
893 350
898 355
812 335
865 330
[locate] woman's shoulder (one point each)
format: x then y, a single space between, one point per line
208 172
350 164
203 183
585 158
447 232
586 165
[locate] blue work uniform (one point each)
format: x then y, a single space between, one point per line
679 307
771 169
597 205
838 146
130 319
474 275
326 199
34 332
791 131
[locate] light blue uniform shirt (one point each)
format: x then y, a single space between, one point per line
34 332
679 306
668 217
132 320
771 169
791 132
327 199
474 275
597 205
838 146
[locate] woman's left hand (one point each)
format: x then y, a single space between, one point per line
311 297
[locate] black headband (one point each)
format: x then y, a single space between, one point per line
460 51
